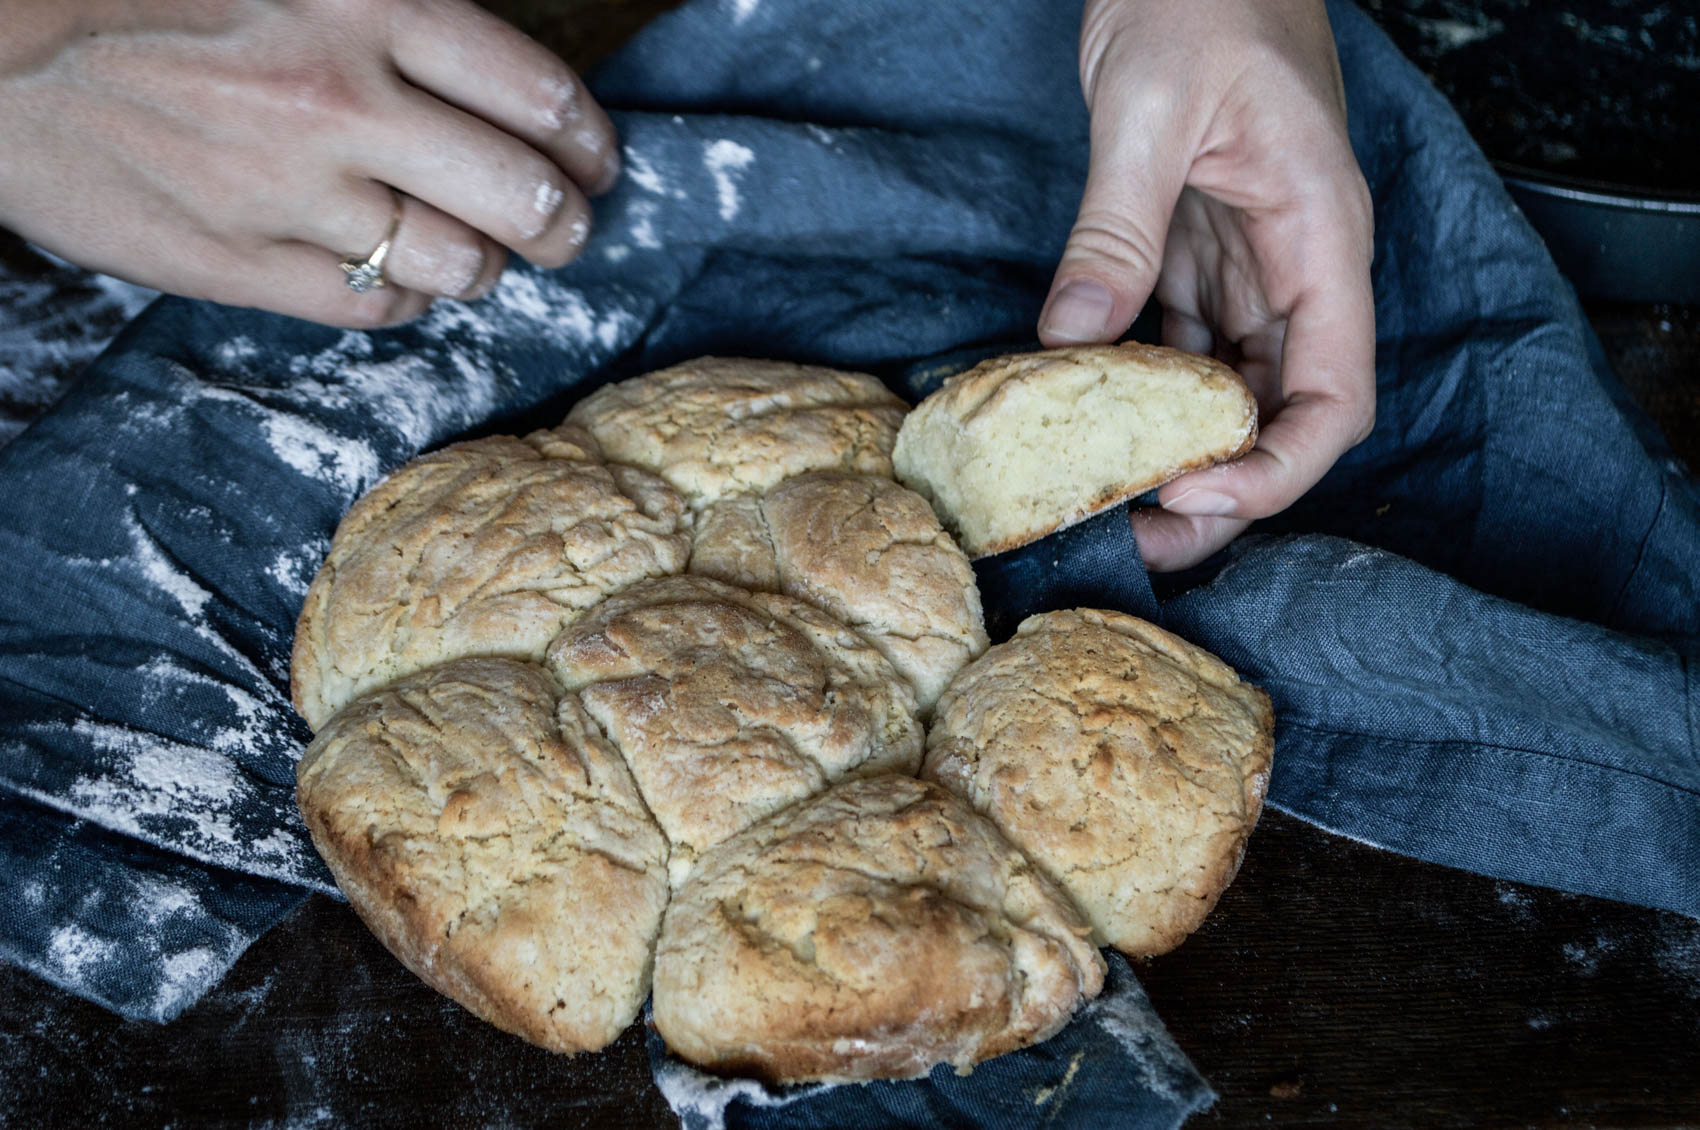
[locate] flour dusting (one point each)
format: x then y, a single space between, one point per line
743 10
1127 1017
187 798
292 570
701 1100
157 570
186 975
641 171
73 951
320 454
643 225
1585 958
724 159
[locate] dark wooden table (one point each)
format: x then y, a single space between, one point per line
1335 985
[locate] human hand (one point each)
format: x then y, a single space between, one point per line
237 150
1222 179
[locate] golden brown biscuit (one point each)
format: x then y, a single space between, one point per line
719 426
868 933
496 844
482 548
865 549
729 705
1127 763
1020 446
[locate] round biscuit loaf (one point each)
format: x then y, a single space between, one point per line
728 705
718 426
868 933
865 549
496 844
483 548
1129 764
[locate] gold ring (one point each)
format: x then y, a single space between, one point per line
366 272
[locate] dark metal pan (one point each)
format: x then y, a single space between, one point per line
1614 242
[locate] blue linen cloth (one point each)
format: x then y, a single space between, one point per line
1480 631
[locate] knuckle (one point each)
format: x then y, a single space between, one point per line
460 264
1106 238
315 94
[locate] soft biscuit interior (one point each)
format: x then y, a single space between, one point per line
1016 448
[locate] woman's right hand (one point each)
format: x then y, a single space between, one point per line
238 150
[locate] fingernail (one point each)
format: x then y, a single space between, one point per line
546 200
560 104
1201 504
580 231
610 173
1080 312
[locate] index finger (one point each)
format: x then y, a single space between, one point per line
489 68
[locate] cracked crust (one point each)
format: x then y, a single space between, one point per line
729 705
866 550
719 426
483 548
496 844
1021 446
869 933
1129 764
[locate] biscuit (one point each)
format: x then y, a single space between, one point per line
868 933
865 549
1128 764
496 844
483 548
1020 446
719 426
728 705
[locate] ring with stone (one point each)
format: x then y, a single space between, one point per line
366 272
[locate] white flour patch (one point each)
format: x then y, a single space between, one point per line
724 159
155 568
158 777
185 976
822 134
616 252
1130 1021
73 951
1516 901
319 454
743 10
1453 34
560 314
691 1092
642 172
185 797
1586 958
158 899
293 570
236 352
643 225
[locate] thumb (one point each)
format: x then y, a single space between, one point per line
1139 164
